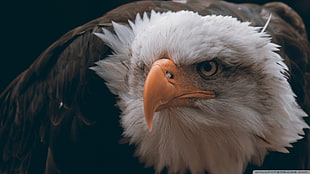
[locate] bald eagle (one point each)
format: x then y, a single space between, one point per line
198 86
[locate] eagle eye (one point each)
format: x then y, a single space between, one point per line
209 69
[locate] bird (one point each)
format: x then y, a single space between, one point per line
201 86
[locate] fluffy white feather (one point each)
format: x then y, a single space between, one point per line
255 110
180 1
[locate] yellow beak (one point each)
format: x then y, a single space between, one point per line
166 86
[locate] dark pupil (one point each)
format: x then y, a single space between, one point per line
207 67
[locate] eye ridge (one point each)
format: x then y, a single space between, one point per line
209 69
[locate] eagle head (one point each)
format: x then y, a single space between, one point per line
200 93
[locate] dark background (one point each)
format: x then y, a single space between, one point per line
29 27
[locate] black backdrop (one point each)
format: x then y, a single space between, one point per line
29 27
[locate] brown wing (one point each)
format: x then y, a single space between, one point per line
288 30
59 117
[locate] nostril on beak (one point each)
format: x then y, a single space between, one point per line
169 75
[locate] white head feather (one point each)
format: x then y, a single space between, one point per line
255 110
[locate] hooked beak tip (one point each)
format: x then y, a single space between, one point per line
149 127
149 120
